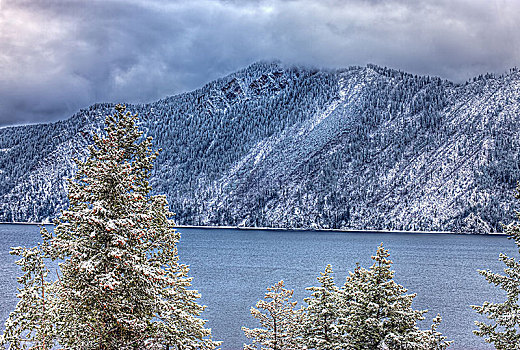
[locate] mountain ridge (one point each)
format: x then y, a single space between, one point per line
285 146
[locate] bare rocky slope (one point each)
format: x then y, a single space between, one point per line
278 146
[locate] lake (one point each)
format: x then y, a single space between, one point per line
232 269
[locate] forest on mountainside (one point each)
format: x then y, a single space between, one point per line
283 146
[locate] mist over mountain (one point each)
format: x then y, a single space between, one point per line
280 146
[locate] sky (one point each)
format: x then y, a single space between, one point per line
59 56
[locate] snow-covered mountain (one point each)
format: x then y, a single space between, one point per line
272 145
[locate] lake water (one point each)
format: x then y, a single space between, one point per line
232 269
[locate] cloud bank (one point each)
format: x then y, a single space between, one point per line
59 56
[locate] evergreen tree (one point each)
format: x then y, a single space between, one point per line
320 326
279 320
371 311
377 314
504 330
30 324
120 284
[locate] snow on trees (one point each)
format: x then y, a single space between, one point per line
31 322
377 314
280 322
120 284
504 330
320 325
370 311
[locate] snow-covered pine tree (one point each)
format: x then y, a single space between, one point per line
120 284
377 314
432 338
32 320
504 330
280 322
320 324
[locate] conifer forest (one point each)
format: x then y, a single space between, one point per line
274 145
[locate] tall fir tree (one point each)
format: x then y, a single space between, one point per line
279 320
376 313
504 330
320 325
120 284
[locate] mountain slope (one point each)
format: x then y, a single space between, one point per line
270 145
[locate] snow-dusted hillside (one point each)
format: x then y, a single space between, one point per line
270 145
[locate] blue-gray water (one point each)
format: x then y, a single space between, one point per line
232 268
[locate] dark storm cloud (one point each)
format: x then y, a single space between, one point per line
59 56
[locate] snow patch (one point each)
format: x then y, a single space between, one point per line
319 117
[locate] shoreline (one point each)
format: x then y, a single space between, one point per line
298 229
339 230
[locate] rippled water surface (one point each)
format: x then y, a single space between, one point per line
232 268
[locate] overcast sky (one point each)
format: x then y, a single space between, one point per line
59 56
